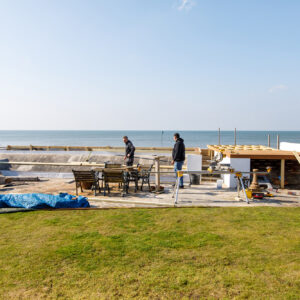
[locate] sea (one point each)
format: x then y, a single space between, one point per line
141 138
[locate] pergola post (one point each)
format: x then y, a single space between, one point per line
157 174
234 136
282 173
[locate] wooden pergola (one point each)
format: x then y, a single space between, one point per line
258 152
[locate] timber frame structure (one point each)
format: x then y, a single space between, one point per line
258 152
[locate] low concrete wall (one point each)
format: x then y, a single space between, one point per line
65 158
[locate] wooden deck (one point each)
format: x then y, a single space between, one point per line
253 152
259 154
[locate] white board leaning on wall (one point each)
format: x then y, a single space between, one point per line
289 146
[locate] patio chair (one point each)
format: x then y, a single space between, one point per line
144 174
110 165
133 176
86 178
115 176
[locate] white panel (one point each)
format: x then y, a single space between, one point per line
289 146
194 163
239 165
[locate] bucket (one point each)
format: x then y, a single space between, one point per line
248 193
219 184
195 179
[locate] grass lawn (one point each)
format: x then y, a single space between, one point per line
151 253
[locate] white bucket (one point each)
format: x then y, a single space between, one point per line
219 184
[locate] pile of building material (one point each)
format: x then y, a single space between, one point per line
9 179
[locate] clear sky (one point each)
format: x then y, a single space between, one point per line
150 64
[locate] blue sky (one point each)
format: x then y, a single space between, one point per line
150 64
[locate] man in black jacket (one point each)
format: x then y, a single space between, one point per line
129 151
178 156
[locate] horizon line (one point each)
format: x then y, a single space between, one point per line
158 130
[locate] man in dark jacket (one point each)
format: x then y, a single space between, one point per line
178 156
129 151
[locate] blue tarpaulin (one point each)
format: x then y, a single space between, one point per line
38 201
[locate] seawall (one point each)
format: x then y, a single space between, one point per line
70 157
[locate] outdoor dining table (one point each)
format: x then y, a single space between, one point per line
130 174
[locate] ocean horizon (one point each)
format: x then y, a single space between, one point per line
140 138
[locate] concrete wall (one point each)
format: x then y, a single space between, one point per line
239 165
62 157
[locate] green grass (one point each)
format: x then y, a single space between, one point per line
151 253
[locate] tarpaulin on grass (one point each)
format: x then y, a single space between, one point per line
37 201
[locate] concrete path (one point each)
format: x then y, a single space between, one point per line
202 195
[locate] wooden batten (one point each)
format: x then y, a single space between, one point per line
297 156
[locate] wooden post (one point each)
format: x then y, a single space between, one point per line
157 175
277 141
234 136
269 141
282 173
219 141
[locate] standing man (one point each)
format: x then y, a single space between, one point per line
129 151
178 156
